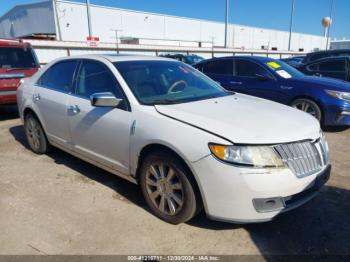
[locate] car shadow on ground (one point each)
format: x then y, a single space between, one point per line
322 226
8 112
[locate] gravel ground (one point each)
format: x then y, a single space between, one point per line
58 204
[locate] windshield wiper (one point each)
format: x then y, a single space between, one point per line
163 102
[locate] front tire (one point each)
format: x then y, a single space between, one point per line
35 135
308 106
167 189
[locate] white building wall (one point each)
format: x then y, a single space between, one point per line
72 21
74 27
243 37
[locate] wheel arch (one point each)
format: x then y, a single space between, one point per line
309 97
156 147
29 110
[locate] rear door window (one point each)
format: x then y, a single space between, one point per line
246 68
15 57
220 67
59 77
332 66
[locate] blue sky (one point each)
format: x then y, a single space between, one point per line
264 13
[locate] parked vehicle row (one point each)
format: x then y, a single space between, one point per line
17 60
328 100
188 59
187 141
294 61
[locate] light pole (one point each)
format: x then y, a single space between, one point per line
116 38
212 46
88 17
226 23
291 24
330 24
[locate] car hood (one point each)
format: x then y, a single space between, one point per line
325 82
245 119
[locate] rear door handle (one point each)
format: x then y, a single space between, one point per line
73 109
36 97
235 83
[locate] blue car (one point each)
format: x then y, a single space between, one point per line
326 99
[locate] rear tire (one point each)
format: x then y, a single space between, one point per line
308 106
167 188
35 134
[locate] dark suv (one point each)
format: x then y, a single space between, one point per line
335 67
310 57
17 60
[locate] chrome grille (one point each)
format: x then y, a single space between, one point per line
302 158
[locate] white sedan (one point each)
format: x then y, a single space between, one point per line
188 143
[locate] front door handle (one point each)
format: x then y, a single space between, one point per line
235 83
74 109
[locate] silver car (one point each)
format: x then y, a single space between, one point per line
187 142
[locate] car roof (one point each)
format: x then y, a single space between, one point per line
329 58
119 57
13 43
329 51
261 59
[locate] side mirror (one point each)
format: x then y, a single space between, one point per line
104 100
263 77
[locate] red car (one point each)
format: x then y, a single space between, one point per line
17 60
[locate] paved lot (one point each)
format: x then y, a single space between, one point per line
58 204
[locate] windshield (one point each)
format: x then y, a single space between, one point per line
11 57
284 70
166 82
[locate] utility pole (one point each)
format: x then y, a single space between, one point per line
88 17
55 8
330 24
117 38
226 22
291 24
212 46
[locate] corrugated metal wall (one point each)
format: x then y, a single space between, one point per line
26 19
74 27
155 26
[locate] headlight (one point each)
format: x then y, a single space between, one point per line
340 95
253 156
324 147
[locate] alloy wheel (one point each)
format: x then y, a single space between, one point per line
308 108
34 133
164 188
